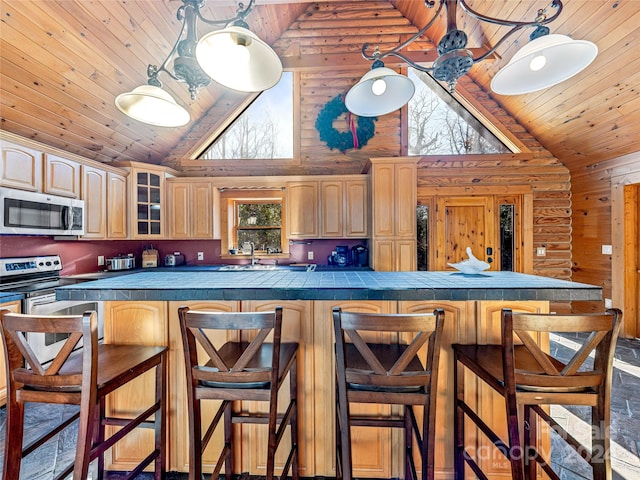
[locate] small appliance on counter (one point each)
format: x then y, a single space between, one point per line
121 262
360 256
149 257
340 257
173 259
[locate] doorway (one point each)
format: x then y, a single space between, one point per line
491 224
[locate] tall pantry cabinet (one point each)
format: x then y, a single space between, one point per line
393 213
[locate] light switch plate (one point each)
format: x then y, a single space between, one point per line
309 255
100 260
541 252
200 255
607 249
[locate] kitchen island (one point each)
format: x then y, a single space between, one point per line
142 308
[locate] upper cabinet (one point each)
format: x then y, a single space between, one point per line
105 199
190 208
328 208
302 209
20 167
147 208
61 176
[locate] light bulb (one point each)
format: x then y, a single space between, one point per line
379 86
537 62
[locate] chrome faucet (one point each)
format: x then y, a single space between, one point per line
253 256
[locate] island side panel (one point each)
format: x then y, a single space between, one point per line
140 323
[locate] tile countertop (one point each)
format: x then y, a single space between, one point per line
346 285
10 297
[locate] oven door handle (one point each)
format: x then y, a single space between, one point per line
43 300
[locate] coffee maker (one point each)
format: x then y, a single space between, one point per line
341 257
360 256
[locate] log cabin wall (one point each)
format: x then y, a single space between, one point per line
597 221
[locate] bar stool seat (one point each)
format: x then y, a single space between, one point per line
528 377
369 371
81 378
245 368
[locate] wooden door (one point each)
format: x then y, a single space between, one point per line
61 176
117 213
461 222
331 209
20 167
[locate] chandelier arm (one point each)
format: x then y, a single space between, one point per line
152 70
394 51
241 13
408 61
540 20
500 42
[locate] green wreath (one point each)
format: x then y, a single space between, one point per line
343 140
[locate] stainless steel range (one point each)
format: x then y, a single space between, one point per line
36 278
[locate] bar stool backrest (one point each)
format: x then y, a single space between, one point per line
376 370
231 363
540 370
51 383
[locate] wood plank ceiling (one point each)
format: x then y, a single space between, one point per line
63 62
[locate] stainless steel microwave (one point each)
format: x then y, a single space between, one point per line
31 213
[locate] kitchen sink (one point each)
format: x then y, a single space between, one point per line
245 268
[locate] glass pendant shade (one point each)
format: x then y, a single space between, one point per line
152 105
380 91
542 63
236 58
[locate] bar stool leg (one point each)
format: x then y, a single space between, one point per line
160 416
515 454
600 441
228 440
458 420
293 394
13 443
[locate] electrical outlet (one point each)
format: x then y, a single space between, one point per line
309 255
541 252
200 255
100 260
608 303
607 249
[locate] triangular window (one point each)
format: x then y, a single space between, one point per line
439 125
263 131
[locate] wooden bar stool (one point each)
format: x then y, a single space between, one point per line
81 378
369 371
246 368
527 377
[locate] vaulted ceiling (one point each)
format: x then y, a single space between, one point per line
64 61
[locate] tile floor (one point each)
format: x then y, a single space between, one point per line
625 428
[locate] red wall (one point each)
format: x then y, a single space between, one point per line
80 256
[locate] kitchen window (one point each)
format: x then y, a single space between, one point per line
253 216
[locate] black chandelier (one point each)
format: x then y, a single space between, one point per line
233 57
545 61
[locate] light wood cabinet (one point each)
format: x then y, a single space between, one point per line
190 209
344 208
117 212
356 208
147 205
393 204
61 176
94 194
302 209
331 209
14 307
328 208
20 167
140 323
